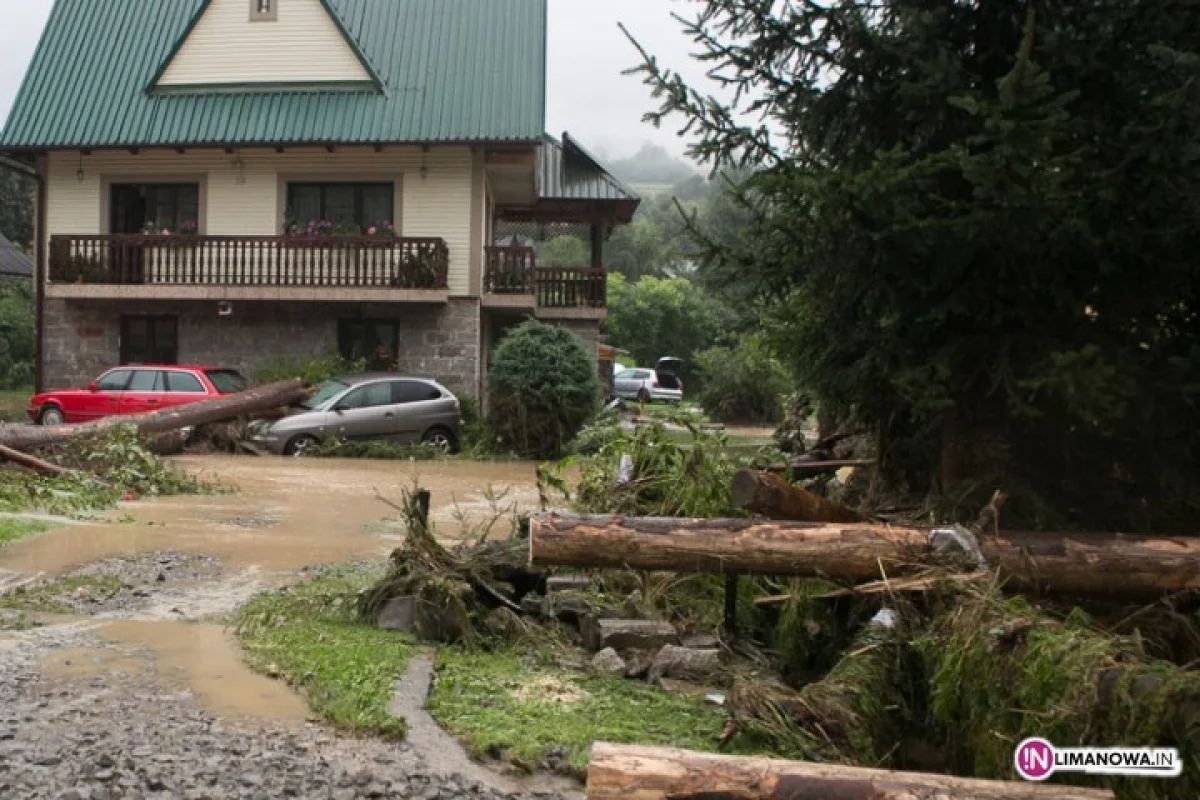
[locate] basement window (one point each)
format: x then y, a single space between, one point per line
264 10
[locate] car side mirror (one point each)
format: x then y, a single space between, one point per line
92 387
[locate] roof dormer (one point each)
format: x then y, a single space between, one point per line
279 44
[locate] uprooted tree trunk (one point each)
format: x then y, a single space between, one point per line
1094 565
252 401
772 496
454 592
627 772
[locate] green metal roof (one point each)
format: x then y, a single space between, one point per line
451 71
567 171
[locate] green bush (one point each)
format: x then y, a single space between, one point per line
743 382
544 389
312 371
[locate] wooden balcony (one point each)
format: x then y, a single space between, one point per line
350 268
512 279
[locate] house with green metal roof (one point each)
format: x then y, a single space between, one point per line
244 181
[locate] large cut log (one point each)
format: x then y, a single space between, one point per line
263 398
1095 565
772 496
620 772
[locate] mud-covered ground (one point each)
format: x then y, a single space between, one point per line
131 687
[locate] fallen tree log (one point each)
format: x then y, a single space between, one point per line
31 462
625 772
262 398
772 496
1093 565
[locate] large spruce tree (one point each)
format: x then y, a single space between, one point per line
978 226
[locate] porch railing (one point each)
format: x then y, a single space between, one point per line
269 261
514 271
572 287
510 270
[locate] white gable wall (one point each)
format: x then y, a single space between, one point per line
303 45
249 199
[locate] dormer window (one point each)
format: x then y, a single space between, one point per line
264 10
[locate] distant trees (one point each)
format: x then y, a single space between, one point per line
654 318
652 164
16 208
18 336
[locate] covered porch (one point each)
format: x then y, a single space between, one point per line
547 250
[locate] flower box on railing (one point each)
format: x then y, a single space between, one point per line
354 261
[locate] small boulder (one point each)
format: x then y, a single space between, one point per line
559 583
683 663
638 664
398 614
608 662
628 634
701 641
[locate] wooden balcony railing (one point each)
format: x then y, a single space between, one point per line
572 287
271 261
514 271
510 270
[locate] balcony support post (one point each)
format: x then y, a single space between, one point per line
597 243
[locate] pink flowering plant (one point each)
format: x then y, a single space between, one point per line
383 229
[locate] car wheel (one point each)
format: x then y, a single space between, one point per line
300 447
441 440
643 397
52 416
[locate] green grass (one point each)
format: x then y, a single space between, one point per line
13 529
49 597
309 634
13 405
512 704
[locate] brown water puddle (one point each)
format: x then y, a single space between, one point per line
77 663
288 513
206 660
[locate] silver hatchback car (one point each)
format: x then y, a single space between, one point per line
377 406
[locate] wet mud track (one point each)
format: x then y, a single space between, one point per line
138 691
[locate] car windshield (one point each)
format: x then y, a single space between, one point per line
227 381
324 393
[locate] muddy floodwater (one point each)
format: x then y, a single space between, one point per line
285 514
136 666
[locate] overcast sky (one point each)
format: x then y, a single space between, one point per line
587 94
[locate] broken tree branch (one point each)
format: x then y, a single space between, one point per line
31 462
772 496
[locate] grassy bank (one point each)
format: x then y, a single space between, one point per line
517 706
49 597
13 405
13 529
309 635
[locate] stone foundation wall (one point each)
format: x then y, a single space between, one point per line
81 339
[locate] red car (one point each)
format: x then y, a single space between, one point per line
134 390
